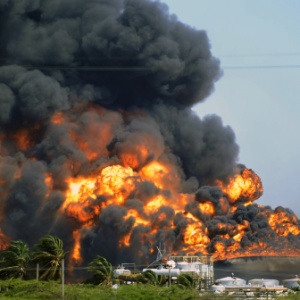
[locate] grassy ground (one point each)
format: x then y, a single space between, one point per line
31 290
17 290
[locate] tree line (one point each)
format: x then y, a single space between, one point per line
17 261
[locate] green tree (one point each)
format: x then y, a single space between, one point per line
101 269
162 279
151 277
48 253
14 260
185 280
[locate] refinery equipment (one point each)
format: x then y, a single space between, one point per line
165 270
292 282
200 268
231 281
264 282
125 269
239 287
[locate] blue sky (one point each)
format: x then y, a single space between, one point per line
258 44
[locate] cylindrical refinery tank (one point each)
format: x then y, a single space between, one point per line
263 282
292 282
182 265
217 288
189 267
164 271
231 281
121 271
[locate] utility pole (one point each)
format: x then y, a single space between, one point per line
37 271
63 279
169 275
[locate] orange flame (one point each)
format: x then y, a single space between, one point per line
4 241
76 250
57 118
22 139
116 182
245 186
206 226
195 235
283 223
207 208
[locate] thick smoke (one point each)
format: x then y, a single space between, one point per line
120 52
88 84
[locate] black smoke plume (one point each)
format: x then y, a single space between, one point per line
140 70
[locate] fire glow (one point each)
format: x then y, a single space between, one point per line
106 152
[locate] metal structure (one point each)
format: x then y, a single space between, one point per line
231 281
263 282
125 269
161 254
200 268
292 282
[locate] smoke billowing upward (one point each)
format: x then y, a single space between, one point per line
99 144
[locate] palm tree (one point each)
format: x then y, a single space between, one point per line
151 277
14 260
162 279
101 270
48 253
185 280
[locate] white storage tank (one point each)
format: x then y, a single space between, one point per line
264 282
217 288
189 267
231 281
184 266
164 271
121 271
292 282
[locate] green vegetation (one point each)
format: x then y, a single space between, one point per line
17 289
17 270
15 260
185 280
48 253
102 271
150 277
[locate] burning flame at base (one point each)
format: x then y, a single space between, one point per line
140 198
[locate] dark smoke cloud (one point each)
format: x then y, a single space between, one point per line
206 148
150 53
8 102
215 196
279 268
109 75
25 201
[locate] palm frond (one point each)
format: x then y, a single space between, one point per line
49 253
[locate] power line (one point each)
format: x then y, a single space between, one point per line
260 54
139 69
262 67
